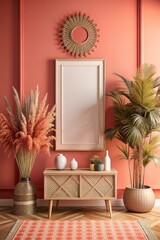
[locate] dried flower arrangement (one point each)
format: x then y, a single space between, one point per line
94 159
27 130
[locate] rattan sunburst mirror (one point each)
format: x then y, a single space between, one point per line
79 35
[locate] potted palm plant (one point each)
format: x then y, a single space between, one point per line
136 107
24 132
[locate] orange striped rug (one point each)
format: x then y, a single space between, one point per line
80 230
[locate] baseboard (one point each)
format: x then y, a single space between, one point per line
6 202
93 203
42 202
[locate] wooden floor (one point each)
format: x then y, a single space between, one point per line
7 218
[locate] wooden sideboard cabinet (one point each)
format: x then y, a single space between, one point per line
81 184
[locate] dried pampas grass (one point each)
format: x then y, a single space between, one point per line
27 130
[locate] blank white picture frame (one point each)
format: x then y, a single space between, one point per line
80 110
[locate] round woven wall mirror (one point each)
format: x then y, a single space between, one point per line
79 35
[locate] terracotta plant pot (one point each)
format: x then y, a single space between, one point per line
139 200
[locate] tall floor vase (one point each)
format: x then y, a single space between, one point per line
25 199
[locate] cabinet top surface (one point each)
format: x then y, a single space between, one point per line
50 171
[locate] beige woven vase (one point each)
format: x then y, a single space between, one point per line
25 199
139 200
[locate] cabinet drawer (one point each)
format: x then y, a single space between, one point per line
61 187
97 186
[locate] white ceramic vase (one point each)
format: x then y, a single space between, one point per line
74 164
60 161
107 162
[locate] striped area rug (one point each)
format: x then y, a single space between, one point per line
80 230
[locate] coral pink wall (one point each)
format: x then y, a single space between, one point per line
150 20
151 32
39 21
9 76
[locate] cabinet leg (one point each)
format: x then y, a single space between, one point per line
57 204
109 206
50 208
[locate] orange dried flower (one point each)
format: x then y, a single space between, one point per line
7 133
27 130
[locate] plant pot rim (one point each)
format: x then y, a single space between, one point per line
144 187
25 179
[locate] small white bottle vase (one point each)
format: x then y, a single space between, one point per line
73 164
107 162
60 161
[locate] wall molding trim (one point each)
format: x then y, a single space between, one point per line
21 49
139 33
94 203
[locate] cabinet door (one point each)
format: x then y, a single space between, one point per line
97 186
61 187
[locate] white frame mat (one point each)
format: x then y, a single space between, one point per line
80 110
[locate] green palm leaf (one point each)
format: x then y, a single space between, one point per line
136 108
143 93
110 133
154 117
133 134
156 159
125 152
150 150
127 82
156 82
140 122
146 71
